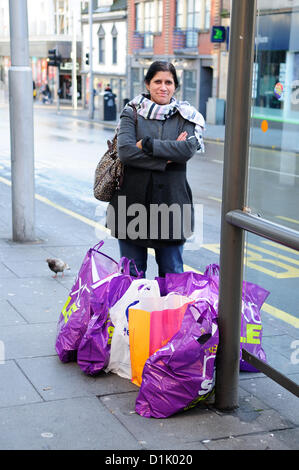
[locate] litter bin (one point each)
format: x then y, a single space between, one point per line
109 106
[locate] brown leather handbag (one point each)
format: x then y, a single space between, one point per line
109 171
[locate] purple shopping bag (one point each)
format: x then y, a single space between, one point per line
76 313
206 286
94 349
181 374
253 297
191 284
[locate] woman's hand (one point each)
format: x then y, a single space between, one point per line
183 136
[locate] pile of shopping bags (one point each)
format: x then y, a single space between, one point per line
161 334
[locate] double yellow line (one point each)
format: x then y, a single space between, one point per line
273 311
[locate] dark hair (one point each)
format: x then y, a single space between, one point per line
161 66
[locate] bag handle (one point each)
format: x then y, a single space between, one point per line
99 245
124 264
144 286
212 270
131 305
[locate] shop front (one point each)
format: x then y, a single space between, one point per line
101 82
276 68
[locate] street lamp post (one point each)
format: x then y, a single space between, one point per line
74 61
21 125
91 97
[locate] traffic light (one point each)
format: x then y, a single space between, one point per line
53 59
87 58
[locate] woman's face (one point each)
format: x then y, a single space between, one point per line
161 87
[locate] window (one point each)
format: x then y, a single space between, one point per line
149 17
193 14
160 16
208 14
138 20
114 50
136 82
101 35
180 13
101 50
193 23
190 80
149 24
114 44
61 16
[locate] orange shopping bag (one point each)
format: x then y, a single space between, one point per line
152 323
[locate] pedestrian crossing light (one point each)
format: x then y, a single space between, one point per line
87 58
53 58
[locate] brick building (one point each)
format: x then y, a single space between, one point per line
178 31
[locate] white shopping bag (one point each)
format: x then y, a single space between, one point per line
120 362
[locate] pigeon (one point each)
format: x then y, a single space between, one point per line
57 265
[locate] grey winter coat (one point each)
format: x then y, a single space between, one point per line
149 181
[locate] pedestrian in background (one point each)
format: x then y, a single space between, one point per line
155 143
34 89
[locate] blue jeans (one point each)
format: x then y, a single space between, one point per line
168 258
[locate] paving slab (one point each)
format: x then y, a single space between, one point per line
261 441
280 359
196 425
28 340
9 315
15 388
280 344
24 269
5 272
35 301
290 437
55 380
26 288
74 424
20 252
276 396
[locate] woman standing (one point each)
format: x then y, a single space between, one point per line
156 138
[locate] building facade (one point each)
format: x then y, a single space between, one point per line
178 31
109 48
50 24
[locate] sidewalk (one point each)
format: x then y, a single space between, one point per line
45 404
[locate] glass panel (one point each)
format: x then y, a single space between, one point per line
149 17
207 14
136 82
190 86
160 16
193 14
138 17
101 50
179 14
114 50
273 183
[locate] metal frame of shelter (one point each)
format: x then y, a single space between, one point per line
234 219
